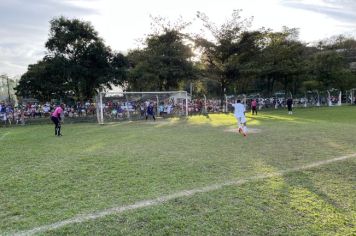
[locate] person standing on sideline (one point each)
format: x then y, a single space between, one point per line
239 112
150 112
56 118
254 106
290 105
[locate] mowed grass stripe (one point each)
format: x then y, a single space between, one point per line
185 193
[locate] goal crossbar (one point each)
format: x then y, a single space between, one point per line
152 92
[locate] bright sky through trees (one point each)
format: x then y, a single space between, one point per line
25 24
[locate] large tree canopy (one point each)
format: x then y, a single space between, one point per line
231 59
330 69
229 47
282 61
45 80
77 63
162 64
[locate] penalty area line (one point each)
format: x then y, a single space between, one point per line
4 135
165 198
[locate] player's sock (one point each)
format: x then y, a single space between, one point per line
244 129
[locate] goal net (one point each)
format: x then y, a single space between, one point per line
116 106
312 98
334 97
352 96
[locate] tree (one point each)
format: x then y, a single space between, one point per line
77 63
331 70
282 61
162 64
93 65
246 62
222 54
45 80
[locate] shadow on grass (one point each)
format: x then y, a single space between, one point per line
314 198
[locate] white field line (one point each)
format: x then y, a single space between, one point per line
4 135
165 198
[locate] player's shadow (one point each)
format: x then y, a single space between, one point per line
207 116
300 180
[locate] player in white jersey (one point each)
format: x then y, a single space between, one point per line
239 112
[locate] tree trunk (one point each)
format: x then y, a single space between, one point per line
285 85
269 85
272 85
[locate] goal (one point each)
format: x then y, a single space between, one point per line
334 97
312 98
116 106
352 96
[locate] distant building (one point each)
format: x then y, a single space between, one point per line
5 88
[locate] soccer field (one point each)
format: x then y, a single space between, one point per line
293 175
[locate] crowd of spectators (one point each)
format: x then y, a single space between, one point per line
19 114
120 110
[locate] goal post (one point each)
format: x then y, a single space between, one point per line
114 106
353 96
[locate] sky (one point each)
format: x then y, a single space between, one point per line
24 24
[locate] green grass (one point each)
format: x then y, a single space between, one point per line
46 179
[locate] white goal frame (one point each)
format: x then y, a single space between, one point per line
352 95
101 106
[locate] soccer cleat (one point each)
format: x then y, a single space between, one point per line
240 130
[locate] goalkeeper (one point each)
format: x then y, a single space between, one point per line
150 111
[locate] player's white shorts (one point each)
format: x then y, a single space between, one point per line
241 119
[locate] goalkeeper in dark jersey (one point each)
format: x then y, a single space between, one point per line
150 111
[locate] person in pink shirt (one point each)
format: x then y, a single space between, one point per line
56 118
254 106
